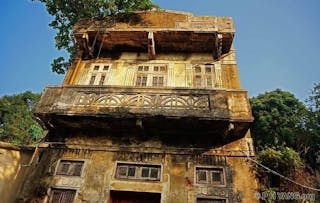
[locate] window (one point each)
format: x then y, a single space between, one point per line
92 79
197 69
204 200
214 176
208 81
198 81
62 196
96 68
151 75
157 81
102 79
70 168
98 74
203 75
138 172
149 172
141 80
105 68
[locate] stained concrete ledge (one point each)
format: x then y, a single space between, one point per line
9 146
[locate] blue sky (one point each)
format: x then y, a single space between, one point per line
277 43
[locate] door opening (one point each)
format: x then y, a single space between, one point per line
134 197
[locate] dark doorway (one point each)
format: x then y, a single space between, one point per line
204 200
134 197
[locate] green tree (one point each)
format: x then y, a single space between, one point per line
278 117
66 13
311 147
314 98
284 160
17 123
286 134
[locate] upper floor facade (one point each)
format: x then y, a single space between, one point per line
167 70
148 65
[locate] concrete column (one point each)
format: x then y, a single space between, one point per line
170 75
189 75
218 79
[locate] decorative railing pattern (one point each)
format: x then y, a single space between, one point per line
143 100
173 102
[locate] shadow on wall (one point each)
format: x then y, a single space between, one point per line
12 170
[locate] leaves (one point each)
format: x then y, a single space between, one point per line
278 118
67 12
281 159
314 99
287 136
17 123
59 65
312 127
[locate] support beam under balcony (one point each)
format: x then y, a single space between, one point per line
88 50
151 46
218 46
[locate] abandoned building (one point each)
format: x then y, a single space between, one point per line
152 111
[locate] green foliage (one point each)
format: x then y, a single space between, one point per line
66 13
278 119
314 98
59 65
17 123
287 136
311 149
283 159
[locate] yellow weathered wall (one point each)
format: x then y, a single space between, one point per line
179 73
12 170
230 78
83 71
244 180
101 155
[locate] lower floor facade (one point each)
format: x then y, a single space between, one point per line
97 172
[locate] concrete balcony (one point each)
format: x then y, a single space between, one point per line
155 32
108 107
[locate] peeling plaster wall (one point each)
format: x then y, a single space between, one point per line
177 183
179 69
12 170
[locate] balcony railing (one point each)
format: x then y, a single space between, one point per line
156 21
160 32
207 104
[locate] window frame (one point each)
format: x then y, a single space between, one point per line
57 173
151 73
203 75
138 171
209 170
98 73
51 190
